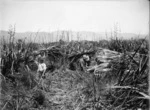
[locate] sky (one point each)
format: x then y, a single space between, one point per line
132 16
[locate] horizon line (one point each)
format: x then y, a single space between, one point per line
76 31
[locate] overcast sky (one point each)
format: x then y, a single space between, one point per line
84 15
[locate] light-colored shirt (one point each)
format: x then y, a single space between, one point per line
42 67
86 57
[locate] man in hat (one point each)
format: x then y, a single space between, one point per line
84 62
86 59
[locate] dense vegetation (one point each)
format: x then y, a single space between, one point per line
66 86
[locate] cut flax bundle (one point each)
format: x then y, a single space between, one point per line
104 56
131 74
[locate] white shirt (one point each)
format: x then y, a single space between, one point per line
42 67
86 57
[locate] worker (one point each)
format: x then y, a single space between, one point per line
41 69
86 59
84 62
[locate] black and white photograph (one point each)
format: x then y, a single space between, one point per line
74 55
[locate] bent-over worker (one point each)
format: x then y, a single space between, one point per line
84 62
